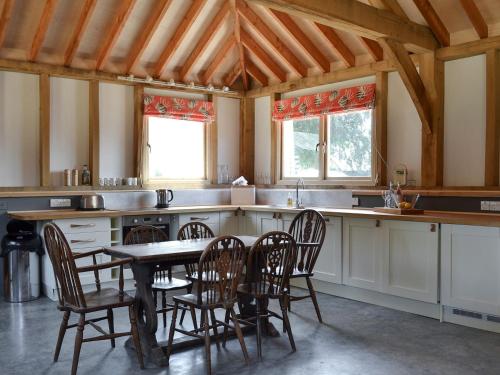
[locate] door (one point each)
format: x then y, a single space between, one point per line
247 223
266 222
329 263
228 223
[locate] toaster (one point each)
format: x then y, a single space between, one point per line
91 202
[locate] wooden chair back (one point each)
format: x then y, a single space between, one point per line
193 231
219 271
308 229
145 234
272 259
69 288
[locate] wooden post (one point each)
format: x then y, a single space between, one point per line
381 127
432 74
44 93
138 131
94 143
212 145
247 138
274 141
491 168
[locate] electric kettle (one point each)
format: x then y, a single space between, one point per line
164 197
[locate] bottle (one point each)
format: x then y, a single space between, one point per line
289 201
85 175
67 177
75 181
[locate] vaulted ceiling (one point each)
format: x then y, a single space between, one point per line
222 42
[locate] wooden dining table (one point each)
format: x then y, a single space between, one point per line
146 259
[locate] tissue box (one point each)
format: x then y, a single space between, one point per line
244 195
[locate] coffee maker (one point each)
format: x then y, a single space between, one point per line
164 197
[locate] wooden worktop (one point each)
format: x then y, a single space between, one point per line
445 217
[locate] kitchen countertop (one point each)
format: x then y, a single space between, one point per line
445 217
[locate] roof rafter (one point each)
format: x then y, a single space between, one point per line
142 41
435 23
360 19
309 46
179 35
218 59
5 17
241 51
391 5
43 25
115 30
233 75
280 47
87 10
373 48
263 56
256 73
475 18
341 49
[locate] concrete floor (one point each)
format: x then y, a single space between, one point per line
357 338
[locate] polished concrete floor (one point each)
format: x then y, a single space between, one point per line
357 338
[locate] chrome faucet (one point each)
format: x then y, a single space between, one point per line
298 203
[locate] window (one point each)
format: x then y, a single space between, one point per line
176 149
336 147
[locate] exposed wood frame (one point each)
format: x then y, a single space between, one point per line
81 25
241 51
360 19
303 40
138 130
373 48
233 74
5 18
178 37
44 113
205 39
475 18
435 23
256 73
275 151
247 138
263 56
114 32
411 78
142 41
341 49
492 149
382 89
222 53
43 25
212 144
94 130
274 41
468 49
391 5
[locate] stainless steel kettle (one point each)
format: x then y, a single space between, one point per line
164 197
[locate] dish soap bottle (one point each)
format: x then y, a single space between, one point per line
85 175
289 201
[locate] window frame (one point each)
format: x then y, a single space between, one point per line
323 178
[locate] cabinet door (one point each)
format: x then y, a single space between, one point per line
247 223
209 218
362 253
284 221
228 223
410 261
266 222
470 260
329 263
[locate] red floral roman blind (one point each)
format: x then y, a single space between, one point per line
346 99
178 108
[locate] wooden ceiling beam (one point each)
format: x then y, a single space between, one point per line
241 51
373 48
256 73
358 18
280 47
5 17
87 10
233 74
205 39
149 29
341 49
179 35
435 23
307 44
391 5
263 56
43 25
218 59
114 32
475 18
399 56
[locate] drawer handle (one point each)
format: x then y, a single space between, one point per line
433 227
274 215
279 215
199 218
82 225
82 241
377 223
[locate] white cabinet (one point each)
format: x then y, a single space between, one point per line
328 266
209 218
266 222
228 223
247 223
470 263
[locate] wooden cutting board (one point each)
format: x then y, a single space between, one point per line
399 211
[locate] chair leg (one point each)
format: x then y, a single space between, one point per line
172 331
62 331
135 334
259 330
239 334
78 343
312 292
283 305
206 326
111 325
164 306
189 289
193 318
214 327
226 329
286 322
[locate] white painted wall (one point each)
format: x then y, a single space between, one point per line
116 119
465 121
262 138
330 86
19 129
228 133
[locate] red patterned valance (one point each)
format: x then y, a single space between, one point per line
178 108
347 99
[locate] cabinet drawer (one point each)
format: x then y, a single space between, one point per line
204 217
82 225
89 240
87 278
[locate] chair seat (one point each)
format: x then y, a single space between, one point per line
173 284
249 288
192 300
103 299
194 277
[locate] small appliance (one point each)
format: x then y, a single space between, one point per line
164 197
91 202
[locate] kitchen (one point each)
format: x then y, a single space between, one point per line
123 114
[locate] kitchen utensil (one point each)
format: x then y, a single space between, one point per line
91 202
164 197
